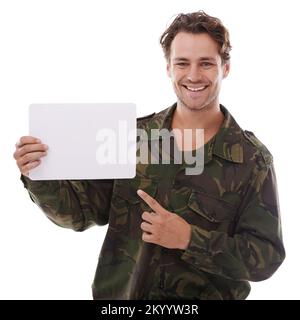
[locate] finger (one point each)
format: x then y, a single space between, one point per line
29 166
152 203
149 217
27 140
29 157
147 227
147 237
31 148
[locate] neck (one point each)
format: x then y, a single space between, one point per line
208 118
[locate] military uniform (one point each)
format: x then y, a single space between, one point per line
232 207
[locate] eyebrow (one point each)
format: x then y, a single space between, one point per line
200 59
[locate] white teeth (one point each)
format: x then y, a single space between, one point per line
196 89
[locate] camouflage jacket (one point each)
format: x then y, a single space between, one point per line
232 207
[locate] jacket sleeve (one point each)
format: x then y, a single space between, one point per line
254 250
74 204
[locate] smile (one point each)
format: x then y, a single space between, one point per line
195 89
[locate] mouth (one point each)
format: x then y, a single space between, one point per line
195 89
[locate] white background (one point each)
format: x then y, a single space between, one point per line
108 51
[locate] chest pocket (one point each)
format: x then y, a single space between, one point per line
127 207
209 212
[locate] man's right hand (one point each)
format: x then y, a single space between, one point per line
28 152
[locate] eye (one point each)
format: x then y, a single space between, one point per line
206 65
181 64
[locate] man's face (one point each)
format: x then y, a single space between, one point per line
196 70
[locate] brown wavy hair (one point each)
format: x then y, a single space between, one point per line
197 22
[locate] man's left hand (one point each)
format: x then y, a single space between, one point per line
163 227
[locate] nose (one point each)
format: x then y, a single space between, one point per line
194 74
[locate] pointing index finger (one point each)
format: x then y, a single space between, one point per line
151 202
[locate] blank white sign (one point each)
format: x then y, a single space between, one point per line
78 135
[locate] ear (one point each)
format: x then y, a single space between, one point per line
226 69
168 69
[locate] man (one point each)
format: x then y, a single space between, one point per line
173 235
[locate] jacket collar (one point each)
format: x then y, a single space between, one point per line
227 143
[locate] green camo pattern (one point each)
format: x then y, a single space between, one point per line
232 208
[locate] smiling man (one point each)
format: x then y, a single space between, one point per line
196 70
196 67
172 235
